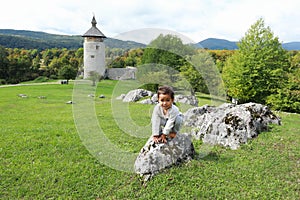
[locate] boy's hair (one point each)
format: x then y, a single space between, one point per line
165 90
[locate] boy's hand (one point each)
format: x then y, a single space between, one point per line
163 138
172 135
156 139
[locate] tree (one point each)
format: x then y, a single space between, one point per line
168 55
220 56
191 79
288 98
159 77
295 62
167 50
173 44
19 66
258 68
67 72
95 77
3 63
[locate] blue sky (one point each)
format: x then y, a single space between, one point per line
129 19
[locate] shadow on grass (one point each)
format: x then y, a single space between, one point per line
213 157
209 97
205 97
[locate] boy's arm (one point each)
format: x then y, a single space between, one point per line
155 120
171 120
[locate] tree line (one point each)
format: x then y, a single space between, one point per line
19 65
260 70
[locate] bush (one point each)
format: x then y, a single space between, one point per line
41 79
53 76
2 82
150 86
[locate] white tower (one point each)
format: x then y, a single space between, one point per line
94 51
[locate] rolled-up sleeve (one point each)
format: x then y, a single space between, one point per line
155 120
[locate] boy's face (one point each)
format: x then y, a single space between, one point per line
165 101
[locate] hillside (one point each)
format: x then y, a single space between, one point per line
215 43
40 40
291 45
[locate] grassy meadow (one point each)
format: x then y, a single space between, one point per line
42 156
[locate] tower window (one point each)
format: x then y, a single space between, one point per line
92 56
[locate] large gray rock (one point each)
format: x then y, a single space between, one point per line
135 95
190 100
229 124
156 157
146 101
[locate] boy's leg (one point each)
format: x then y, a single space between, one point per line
157 138
177 125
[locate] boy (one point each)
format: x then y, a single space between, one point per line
166 118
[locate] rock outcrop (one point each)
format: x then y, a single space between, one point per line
229 125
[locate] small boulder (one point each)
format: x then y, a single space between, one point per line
135 95
146 101
22 95
69 102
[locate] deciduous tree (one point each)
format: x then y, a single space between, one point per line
258 68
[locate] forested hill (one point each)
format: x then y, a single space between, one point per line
40 40
215 43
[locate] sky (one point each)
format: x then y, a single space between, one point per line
143 20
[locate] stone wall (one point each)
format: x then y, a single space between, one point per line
121 73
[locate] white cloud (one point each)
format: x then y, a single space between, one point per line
227 19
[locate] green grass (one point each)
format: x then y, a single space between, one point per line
42 156
41 79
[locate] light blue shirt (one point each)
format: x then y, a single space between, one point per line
161 123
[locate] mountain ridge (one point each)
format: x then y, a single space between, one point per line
216 43
12 38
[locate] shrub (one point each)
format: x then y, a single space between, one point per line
2 82
41 79
150 86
